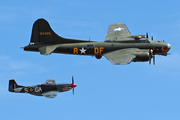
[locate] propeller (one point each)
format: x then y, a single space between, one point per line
73 85
151 55
153 60
152 38
146 35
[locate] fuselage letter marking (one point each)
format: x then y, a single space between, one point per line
101 50
75 50
96 50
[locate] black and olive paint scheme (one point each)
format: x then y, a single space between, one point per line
49 89
119 47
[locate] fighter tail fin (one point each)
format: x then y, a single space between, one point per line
43 34
13 85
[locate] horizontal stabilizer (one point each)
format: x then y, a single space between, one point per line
17 89
46 50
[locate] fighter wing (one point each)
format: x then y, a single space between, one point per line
121 57
117 31
51 94
50 82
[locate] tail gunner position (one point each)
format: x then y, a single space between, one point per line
50 89
120 47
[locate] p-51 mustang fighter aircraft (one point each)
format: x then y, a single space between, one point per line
50 89
120 47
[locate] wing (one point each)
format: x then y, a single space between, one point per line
121 57
117 31
51 94
50 82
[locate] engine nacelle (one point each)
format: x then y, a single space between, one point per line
142 57
98 56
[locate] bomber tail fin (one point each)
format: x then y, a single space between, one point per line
13 85
43 34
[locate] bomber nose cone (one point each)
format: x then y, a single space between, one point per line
169 46
74 85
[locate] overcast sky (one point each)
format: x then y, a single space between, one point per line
137 91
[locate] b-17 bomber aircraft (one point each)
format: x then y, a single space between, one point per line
50 89
119 47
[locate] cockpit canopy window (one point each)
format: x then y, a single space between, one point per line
49 82
149 40
146 41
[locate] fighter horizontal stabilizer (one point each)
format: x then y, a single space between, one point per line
17 89
46 50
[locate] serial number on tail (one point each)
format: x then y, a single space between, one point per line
44 33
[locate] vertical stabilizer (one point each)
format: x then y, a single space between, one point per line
43 34
12 85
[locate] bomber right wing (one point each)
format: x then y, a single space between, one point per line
121 57
117 31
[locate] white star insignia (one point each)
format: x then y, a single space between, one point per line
82 50
118 29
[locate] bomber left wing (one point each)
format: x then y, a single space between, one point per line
117 31
121 57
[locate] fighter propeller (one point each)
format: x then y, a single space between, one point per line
73 85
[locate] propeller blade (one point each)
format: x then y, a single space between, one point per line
73 85
72 80
152 38
150 55
146 35
153 59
